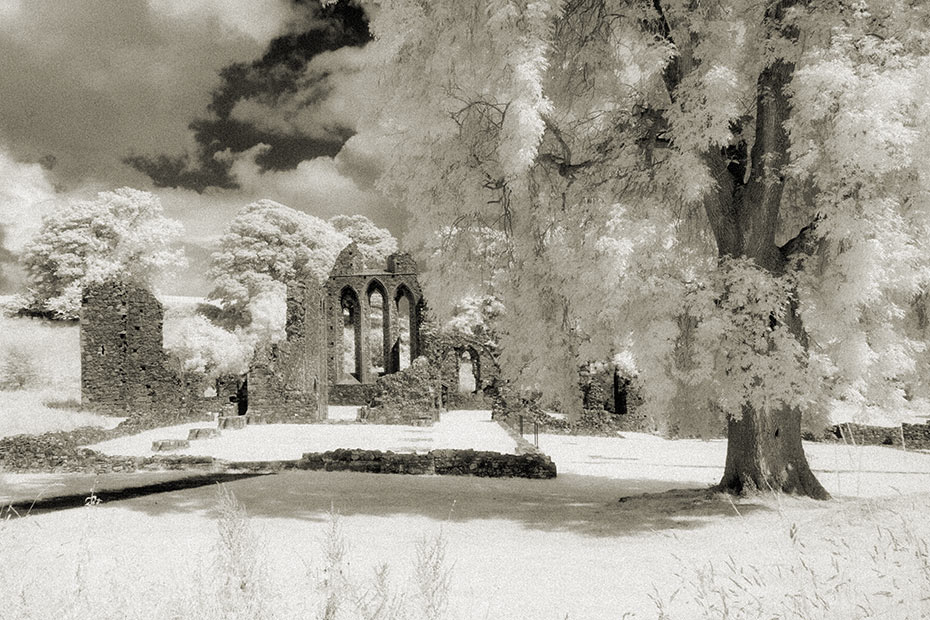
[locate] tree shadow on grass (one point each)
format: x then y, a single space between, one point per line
584 505
40 505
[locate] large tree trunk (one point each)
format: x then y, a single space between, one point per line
764 453
764 449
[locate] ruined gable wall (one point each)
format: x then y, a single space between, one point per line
123 365
399 275
124 368
290 384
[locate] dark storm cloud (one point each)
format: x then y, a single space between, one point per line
277 76
85 83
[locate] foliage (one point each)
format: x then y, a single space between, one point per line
806 583
268 242
17 371
198 345
120 233
868 560
375 244
433 576
606 170
243 584
475 316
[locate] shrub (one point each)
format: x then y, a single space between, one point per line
18 371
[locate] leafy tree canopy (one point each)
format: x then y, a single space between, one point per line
374 243
121 233
731 194
268 242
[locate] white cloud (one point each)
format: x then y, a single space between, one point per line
25 196
261 20
90 82
316 186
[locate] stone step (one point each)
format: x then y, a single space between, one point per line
163 445
203 433
235 422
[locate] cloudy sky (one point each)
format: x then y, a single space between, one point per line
208 103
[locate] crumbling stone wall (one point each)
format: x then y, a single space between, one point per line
604 389
864 434
290 383
436 462
448 352
916 436
352 394
410 396
124 368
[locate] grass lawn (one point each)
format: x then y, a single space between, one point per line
456 429
513 548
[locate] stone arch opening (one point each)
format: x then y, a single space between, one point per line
379 328
350 340
403 347
620 391
469 371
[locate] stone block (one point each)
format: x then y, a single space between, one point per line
202 433
236 422
163 445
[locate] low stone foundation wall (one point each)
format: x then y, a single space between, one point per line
592 422
61 451
916 436
439 462
391 415
51 454
865 435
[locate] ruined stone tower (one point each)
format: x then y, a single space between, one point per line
123 365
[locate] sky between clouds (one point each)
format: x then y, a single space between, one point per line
210 104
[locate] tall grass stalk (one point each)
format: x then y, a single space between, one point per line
883 574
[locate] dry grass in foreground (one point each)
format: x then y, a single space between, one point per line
876 566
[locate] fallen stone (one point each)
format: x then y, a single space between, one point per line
163 445
203 433
237 422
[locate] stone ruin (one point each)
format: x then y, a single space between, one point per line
351 370
123 365
326 357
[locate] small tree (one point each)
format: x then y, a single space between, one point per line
268 242
123 232
374 243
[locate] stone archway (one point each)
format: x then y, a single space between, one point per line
378 326
468 365
350 337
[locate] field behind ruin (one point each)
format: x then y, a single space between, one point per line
52 399
305 542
